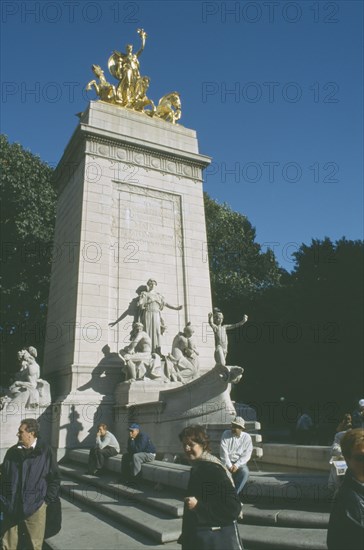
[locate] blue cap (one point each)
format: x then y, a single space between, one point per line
134 426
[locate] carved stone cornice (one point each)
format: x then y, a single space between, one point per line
144 157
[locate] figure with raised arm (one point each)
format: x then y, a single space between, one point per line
151 304
221 339
125 68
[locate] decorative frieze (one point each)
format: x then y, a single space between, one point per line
134 155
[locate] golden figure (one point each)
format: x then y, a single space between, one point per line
131 90
104 89
125 68
169 107
141 100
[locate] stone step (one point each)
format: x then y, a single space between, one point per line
151 522
280 517
265 511
85 528
106 532
281 487
282 538
147 513
161 497
262 487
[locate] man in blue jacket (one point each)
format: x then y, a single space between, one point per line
140 449
29 481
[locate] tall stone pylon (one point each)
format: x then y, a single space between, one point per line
130 208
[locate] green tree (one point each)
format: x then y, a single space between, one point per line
27 218
238 267
305 337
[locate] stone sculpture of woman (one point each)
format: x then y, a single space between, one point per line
150 305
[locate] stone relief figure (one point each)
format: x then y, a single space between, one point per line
184 357
28 385
132 309
125 68
139 361
151 304
221 339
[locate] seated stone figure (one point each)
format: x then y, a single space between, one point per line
139 361
184 357
28 387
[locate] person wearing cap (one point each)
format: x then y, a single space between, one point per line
358 415
140 449
346 523
235 451
106 446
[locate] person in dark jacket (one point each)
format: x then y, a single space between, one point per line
212 506
29 481
140 449
346 524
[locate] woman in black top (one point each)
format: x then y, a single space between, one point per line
212 505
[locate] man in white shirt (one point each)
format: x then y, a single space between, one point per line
235 451
106 445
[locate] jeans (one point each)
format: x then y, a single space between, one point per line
240 477
131 465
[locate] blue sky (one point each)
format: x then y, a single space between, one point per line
274 90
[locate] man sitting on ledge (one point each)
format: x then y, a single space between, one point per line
140 449
106 446
235 451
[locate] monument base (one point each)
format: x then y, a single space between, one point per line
75 418
141 391
204 401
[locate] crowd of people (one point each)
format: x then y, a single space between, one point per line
30 484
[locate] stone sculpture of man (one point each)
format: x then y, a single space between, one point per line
221 340
184 356
137 354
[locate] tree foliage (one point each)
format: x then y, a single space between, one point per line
304 342
27 218
238 266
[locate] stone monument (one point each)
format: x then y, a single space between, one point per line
28 396
130 210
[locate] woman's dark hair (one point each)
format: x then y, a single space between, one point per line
197 434
31 425
105 426
345 424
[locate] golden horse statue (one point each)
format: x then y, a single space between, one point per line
169 108
103 88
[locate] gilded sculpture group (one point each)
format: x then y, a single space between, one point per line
143 358
131 90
